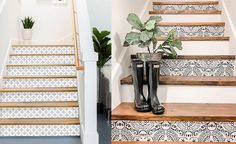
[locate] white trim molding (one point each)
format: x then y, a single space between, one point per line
88 77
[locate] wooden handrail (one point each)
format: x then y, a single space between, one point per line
75 32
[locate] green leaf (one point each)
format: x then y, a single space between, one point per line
134 20
157 32
144 44
178 44
150 25
132 38
157 19
146 36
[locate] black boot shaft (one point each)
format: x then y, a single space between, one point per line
153 75
140 102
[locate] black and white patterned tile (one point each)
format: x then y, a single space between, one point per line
173 131
57 112
64 59
40 83
38 96
186 8
39 130
40 70
194 31
43 50
178 67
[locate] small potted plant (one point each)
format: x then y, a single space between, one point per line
144 35
28 24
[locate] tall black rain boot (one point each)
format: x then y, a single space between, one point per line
153 74
140 101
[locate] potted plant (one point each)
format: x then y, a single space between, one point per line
145 36
28 24
102 46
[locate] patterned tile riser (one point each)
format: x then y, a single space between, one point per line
177 67
186 8
41 70
182 131
39 130
42 60
194 31
40 83
43 50
38 96
72 112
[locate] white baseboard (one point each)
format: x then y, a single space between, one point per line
88 137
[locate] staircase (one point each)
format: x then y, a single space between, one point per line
39 92
198 88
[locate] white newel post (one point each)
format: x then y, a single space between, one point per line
88 77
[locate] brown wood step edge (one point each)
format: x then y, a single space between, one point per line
149 142
194 81
191 24
41 90
187 3
184 13
37 104
42 54
42 45
179 112
47 76
71 121
224 38
26 65
202 57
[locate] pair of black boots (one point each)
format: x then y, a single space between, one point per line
152 73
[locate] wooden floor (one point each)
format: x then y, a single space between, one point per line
191 80
179 112
167 143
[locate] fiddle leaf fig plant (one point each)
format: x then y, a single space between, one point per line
102 46
145 36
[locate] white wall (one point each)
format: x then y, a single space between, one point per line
100 13
120 55
9 16
229 16
53 22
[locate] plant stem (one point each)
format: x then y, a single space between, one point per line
148 49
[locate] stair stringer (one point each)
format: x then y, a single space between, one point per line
5 61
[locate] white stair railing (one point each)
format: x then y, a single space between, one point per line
86 60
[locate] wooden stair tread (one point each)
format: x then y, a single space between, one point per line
37 104
151 142
179 112
191 24
191 80
203 57
185 13
16 65
42 54
42 45
72 121
222 38
41 90
187 3
46 76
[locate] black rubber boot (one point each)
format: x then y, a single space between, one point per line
140 101
153 74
